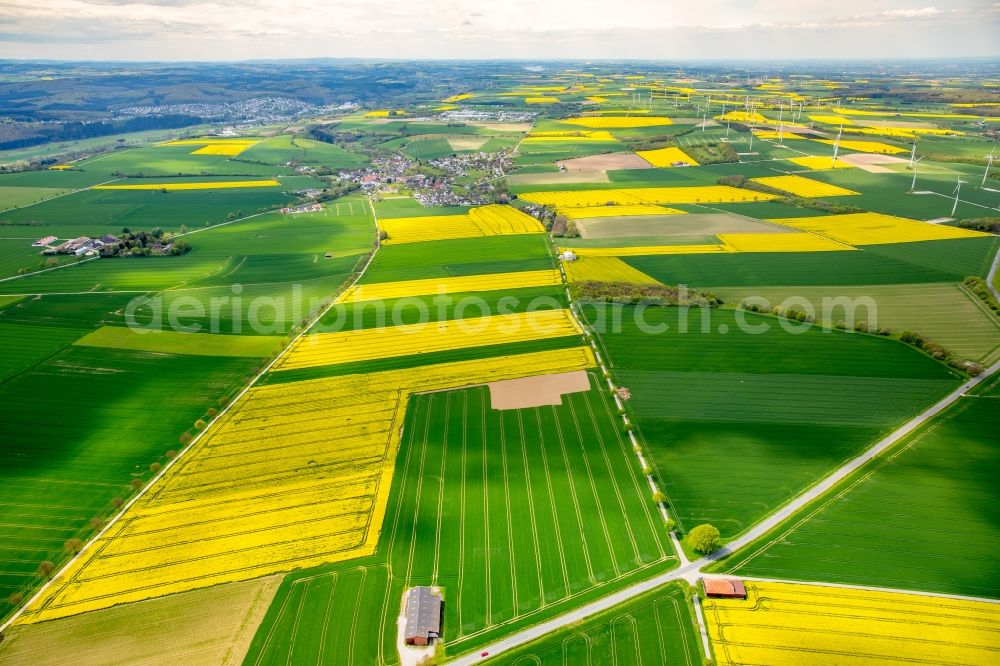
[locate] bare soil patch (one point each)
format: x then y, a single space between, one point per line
503 127
537 391
872 162
605 161
467 141
695 224
558 177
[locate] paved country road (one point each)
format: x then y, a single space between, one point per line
691 571
992 276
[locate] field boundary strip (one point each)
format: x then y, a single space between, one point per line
197 438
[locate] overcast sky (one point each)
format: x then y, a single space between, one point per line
669 29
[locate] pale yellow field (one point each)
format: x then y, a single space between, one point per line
213 185
605 269
804 187
428 228
813 625
831 119
645 195
865 146
492 220
793 242
392 341
646 250
618 122
584 212
665 157
875 228
569 137
451 285
820 163
295 475
541 100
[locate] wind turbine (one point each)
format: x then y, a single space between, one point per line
913 185
913 153
836 147
781 124
958 189
989 165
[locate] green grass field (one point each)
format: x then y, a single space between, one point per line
460 256
96 212
714 405
174 161
174 342
934 500
79 427
655 628
517 514
428 149
751 269
285 148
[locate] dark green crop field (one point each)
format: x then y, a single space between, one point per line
723 402
655 628
78 428
935 503
461 256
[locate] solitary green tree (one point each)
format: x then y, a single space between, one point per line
704 539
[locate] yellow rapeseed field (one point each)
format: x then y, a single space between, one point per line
584 212
817 163
744 117
865 146
645 195
451 285
393 341
813 625
379 113
605 269
492 220
427 228
831 119
875 228
618 122
208 185
541 100
666 157
457 98
230 150
804 187
295 475
498 220
779 242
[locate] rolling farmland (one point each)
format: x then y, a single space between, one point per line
540 339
